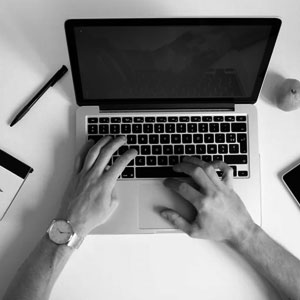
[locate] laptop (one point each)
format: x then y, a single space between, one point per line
175 87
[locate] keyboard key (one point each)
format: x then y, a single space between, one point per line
186 138
197 138
207 119
173 160
131 139
151 160
184 119
241 118
138 119
103 120
136 128
234 170
95 138
217 157
128 172
192 127
233 148
235 159
114 128
203 127
172 119
225 127
161 119
126 128
92 120
165 139
223 148
208 138
157 172
103 129
175 139
145 150
156 149
159 128
178 149
92 129
206 158
218 118
181 127
189 149
201 149
115 120
142 139
140 160
220 138
211 149
230 138
123 149
196 119
213 127
219 173
170 128
136 147
242 139
230 118
153 138
168 149
127 120
148 128
238 127
162 160
150 119
243 173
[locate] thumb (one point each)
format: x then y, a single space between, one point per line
177 220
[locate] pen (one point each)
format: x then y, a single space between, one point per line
58 75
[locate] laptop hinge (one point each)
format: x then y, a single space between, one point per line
201 108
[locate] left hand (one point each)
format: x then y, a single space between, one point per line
90 199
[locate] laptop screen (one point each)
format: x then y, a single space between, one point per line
203 61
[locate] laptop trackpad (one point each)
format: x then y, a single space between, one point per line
153 197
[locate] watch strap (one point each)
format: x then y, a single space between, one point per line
75 241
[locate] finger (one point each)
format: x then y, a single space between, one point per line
186 191
92 155
177 220
81 156
227 176
118 167
198 175
209 169
106 153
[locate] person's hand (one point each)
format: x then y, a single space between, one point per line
90 199
222 215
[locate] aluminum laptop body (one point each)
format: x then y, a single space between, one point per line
147 68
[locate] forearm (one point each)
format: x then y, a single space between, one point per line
279 266
36 277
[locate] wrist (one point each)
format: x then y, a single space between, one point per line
245 237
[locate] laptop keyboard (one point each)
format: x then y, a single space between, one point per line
163 141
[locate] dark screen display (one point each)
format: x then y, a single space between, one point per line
198 61
292 180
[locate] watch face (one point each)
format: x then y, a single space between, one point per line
60 232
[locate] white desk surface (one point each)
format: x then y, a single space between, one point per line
32 47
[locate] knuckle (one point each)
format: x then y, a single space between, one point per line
209 169
196 172
182 187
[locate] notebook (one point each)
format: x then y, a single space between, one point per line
174 87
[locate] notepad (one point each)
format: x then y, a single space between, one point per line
13 174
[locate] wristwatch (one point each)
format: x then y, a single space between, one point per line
61 232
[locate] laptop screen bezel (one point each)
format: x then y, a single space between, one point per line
167 103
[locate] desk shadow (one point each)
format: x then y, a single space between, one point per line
34 222
269 290
270 87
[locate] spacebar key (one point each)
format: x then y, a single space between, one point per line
157 172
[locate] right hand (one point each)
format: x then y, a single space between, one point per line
222 216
